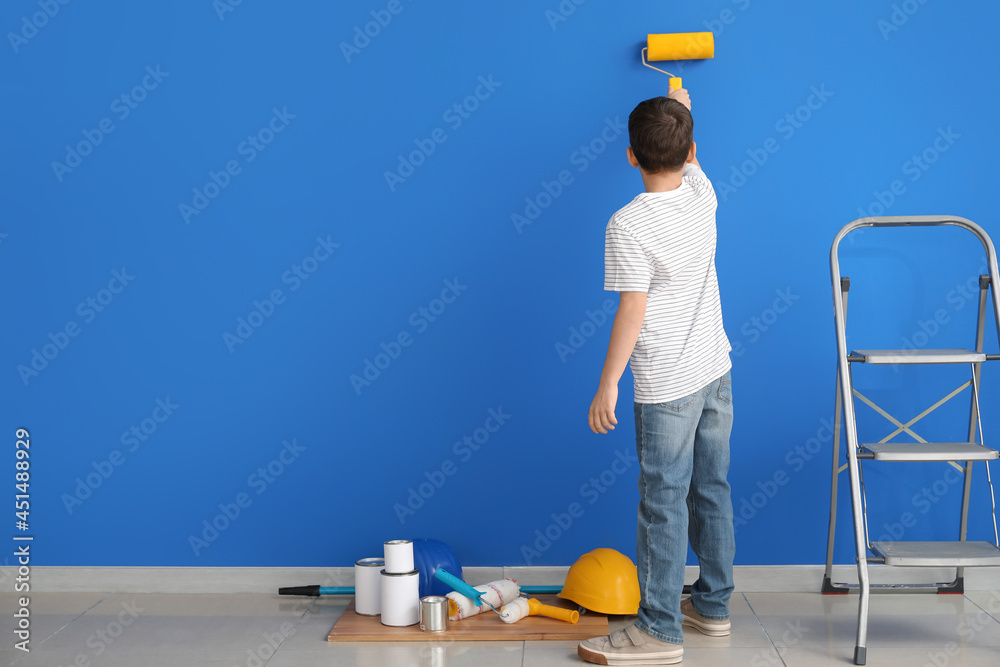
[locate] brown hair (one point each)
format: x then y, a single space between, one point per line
660 131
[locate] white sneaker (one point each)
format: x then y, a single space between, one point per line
630 646
712 627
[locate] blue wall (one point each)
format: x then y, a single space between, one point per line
322 289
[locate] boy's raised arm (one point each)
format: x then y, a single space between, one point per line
682 96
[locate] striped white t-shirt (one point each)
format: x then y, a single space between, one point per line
663 243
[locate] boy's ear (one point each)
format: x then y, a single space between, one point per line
631 157
692 152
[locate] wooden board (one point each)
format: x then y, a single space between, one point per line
352 627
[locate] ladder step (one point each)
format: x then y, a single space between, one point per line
938 554
927 451
955 356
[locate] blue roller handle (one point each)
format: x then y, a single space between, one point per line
314 591
465 589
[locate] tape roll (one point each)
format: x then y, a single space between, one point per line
399 556
680 46
368 586
400 598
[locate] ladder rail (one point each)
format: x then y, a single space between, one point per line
832 528
850 428
989 478
984 285
845 285
993 499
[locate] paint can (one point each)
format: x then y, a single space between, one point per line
434 613
399 556
368 586
400 598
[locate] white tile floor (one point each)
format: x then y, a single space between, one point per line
769 630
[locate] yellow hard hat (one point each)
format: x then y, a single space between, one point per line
605 581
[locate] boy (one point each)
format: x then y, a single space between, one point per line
660 254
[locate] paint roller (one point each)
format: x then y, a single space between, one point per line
467 600
512 612
677 46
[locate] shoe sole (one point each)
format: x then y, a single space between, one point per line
708 629
603 659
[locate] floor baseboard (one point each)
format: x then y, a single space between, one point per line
748 578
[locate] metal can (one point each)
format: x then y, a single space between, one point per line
434 613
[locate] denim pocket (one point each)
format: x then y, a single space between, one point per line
678 405
726 389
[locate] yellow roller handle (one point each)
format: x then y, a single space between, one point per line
675 82
536 608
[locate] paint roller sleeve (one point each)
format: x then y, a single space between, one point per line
497 593
681 46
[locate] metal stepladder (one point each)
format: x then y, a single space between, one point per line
957 554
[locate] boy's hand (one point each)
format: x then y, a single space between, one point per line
602 409
681 95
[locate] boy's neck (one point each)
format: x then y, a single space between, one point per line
665 181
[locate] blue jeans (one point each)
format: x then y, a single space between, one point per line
684 495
